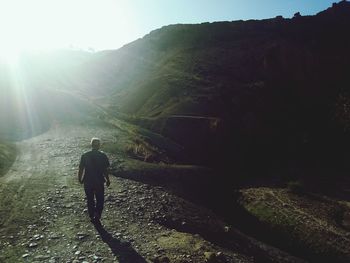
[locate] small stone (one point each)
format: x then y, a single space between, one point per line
25 255
77 252
220 256
160 250
33 244
209 256
41 257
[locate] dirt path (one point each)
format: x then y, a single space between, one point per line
43 215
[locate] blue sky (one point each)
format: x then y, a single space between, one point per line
193 11
110 24
152 14
156 13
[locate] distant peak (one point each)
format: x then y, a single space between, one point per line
342 7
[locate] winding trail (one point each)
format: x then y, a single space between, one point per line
43 216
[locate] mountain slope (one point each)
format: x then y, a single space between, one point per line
279 87
200 69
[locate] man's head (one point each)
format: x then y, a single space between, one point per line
95 143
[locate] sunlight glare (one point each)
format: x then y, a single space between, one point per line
51 24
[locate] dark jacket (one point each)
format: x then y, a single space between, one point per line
95 164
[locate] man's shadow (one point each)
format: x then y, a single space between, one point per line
122 250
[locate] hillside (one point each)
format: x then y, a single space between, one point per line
278 86
33 93
272 92
7 156
199 69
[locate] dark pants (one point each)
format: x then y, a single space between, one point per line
92 192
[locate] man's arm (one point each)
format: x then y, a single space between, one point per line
80 175
106 174
81 170
107 170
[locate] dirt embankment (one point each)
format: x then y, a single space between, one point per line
313 226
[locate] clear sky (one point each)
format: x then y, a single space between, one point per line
109 24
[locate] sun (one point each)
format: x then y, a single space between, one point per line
55 24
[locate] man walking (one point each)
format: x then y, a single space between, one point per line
93 172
